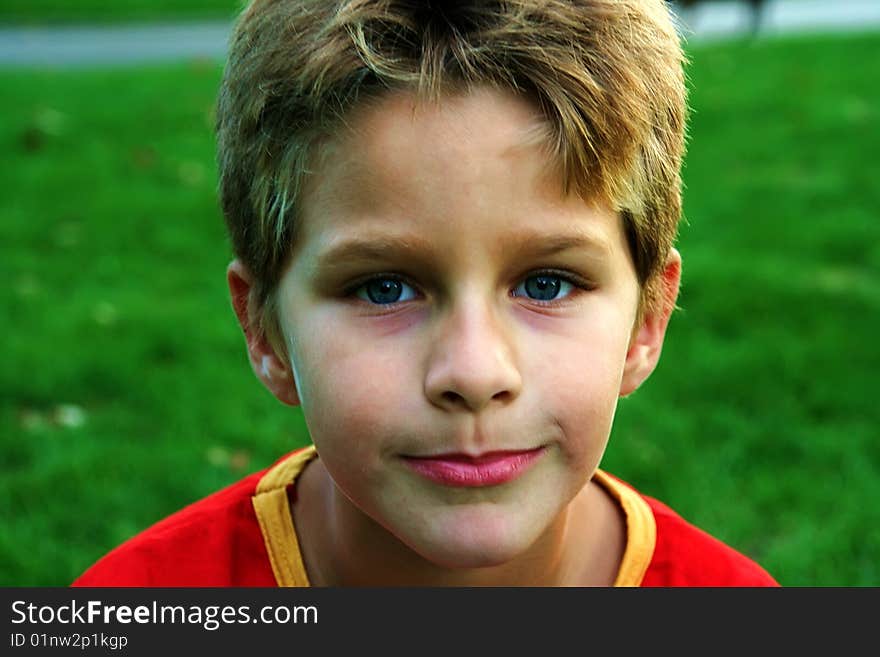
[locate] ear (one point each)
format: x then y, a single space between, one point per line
271 369
647 341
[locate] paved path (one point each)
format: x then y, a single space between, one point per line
64 47
712 20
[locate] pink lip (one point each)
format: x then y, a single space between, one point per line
460 470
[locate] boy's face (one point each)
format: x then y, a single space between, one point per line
445 302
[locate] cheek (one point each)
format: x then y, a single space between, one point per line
349 400
579 388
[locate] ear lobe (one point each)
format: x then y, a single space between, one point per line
647 343
271 369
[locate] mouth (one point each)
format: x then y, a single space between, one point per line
464 471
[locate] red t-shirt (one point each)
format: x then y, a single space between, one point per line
220 541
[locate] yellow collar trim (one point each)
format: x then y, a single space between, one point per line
276 522
641 530
279 534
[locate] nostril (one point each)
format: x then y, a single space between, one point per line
504 395
456 399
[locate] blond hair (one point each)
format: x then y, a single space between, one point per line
606 74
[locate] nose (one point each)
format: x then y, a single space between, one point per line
472 361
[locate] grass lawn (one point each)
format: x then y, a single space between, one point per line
125 392
51 11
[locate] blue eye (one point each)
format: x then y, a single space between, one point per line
543 287
385 290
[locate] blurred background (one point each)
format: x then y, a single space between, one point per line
125 392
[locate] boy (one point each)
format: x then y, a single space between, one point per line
453 231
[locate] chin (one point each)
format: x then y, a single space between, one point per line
467 557
477 543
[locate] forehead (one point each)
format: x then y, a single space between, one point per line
476 161
400 138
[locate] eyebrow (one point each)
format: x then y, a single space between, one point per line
369 249
539 244
521 244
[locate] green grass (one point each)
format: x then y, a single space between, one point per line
125 392
761 423
101 11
